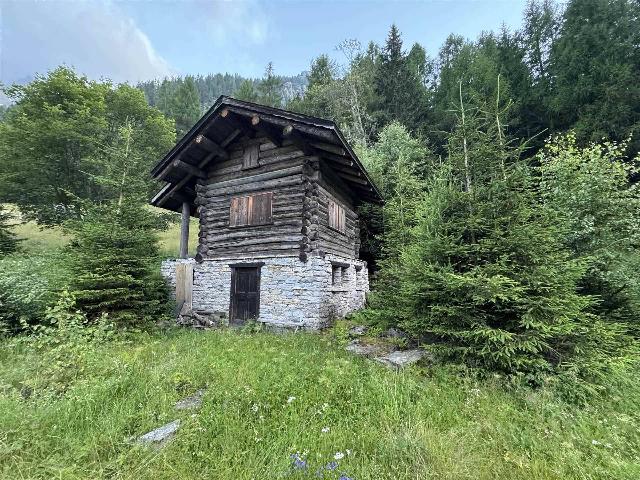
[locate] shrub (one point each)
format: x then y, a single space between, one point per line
8 240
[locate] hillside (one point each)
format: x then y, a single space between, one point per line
270 396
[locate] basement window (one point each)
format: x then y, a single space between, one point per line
336 275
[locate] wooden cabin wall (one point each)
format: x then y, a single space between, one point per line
281 170
329 240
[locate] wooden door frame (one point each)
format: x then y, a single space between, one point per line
232 290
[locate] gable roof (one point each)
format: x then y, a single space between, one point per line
229 119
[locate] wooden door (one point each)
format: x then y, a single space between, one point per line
245 294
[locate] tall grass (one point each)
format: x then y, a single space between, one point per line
269 397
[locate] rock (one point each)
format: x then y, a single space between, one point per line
401 358
160 435
192 402
366 349
358 330
394 333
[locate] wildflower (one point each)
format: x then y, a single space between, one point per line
290 399
254 407
348 452
339 456
595 442
344 477
298 462
331 465
325 429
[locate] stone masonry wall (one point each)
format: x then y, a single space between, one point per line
293 294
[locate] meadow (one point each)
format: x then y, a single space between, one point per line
270 397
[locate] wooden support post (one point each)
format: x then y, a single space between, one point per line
184 230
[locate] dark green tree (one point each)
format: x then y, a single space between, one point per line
401 95
595 64
247 92
270 88
185 105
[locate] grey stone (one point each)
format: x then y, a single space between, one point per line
394 333
366 349
160 435
401 358
192 402
358 330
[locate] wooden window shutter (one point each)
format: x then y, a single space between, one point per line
251 210
337 217
250 156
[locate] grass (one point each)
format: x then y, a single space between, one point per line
270 396
36 239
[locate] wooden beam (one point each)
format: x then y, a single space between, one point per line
237 122
184 230
204 162
289 132
352 178
330 147
211 146
337 159
187 167
271 131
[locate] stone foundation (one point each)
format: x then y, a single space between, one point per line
293 294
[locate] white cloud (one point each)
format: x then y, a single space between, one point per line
239 21
98 39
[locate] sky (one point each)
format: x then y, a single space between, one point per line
144 39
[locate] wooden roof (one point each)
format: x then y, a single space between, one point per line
229 119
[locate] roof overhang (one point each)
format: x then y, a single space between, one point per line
229 119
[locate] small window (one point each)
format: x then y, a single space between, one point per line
336 275
250 156
337 218
251 210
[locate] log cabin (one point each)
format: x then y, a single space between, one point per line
276 194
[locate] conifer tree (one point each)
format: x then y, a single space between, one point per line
486 276
114 250
246 91
270 88
185 105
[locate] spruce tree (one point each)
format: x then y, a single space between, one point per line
246 91
270 88
185 105
486 277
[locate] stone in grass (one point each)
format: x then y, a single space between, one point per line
192 402
358 331
401 358
366 349
161 435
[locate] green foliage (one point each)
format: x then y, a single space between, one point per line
185 106
114 254
246 92
66 344
8 240
270 88
28 284
590 189
50 139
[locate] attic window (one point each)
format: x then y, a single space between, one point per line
337 218
251 210
250 156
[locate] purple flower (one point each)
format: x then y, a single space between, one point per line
298 462
331 465
344 477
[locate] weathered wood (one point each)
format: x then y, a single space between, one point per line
192 169
211 146
330 147
184 230
184 284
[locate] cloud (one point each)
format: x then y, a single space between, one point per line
241 21
98 39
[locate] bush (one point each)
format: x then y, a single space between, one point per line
28 284
8 240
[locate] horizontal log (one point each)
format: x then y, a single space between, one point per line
275 239
247 188
261 177
211 146
192 169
